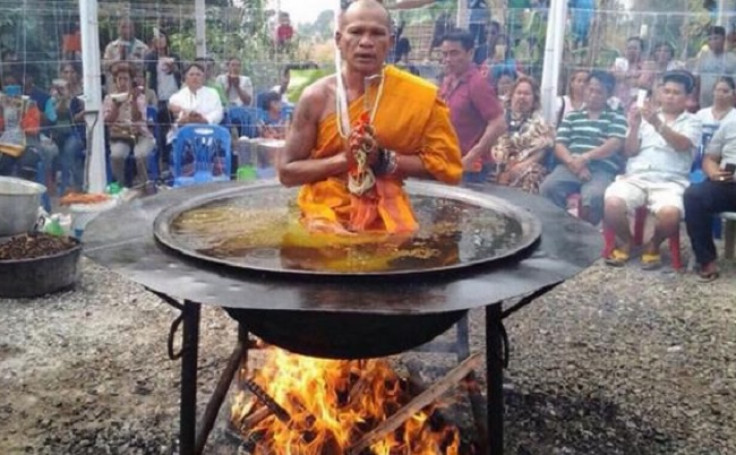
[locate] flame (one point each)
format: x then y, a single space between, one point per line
332 404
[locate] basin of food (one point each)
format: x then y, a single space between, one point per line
36 264
19 203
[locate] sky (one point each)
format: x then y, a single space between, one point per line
304 10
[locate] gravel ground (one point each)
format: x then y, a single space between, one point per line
615 361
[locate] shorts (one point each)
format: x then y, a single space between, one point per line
655 194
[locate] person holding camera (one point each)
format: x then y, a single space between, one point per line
124 113
715 195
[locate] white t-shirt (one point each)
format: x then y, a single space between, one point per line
706 117
166 82
232 95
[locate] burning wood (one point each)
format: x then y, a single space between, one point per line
341 408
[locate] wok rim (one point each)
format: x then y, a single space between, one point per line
530 224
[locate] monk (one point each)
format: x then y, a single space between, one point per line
352 166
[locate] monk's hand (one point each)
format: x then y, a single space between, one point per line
364 140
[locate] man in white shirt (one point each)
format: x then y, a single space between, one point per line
714 195
660 144
195 103
238 89
711 64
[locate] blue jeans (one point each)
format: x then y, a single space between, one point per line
71 160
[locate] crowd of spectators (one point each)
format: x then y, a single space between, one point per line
621 139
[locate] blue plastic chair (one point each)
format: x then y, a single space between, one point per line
206 148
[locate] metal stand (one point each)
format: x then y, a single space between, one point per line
490 429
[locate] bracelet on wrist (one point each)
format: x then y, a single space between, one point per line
386 164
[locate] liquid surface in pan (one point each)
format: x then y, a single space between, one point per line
262 231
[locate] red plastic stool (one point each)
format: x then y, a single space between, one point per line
640 218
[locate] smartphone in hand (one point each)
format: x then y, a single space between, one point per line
730 168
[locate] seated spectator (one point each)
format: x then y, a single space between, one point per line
722 109
196 103
574 99
124 111
238 88
20 119
69 129
587 147
272 123
661 144
519 153
628 71
210 81
503 81
714 195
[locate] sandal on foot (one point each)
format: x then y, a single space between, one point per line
617 258
651 261
704 277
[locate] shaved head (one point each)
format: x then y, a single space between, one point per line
360 7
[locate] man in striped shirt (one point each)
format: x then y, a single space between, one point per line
587 150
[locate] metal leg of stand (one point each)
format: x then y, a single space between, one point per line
494 378
477 404
223 385
189 349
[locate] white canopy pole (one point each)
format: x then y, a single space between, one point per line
553 50
461 18
721 13
200 36
96 170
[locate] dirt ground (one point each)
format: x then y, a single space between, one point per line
615 361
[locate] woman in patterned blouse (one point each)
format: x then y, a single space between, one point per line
519 154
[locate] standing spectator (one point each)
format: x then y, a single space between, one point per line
125 114
477 21
475 111
210 81
163 70
126 48
582 16
628 70
238 88
716 194
711 64
660 145
519 153
587 145
284 31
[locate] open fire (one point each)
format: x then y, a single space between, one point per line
333 407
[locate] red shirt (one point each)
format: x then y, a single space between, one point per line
473 104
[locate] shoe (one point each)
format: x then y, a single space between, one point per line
707 277
651 261
617 258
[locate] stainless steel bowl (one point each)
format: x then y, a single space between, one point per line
19 202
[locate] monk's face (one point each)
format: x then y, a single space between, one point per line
364 38
455 57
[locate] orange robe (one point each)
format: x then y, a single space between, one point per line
410 120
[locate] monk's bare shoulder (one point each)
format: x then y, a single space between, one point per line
317 100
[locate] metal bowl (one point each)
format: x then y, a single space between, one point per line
19 202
